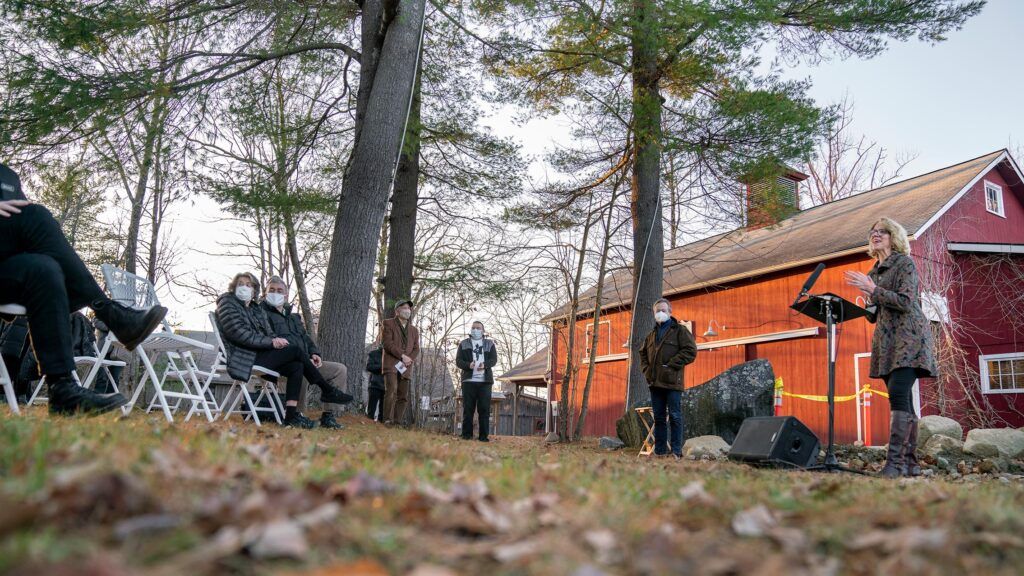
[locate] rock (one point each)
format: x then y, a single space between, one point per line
939 445
705 446
630 429
718 406
986 442
609 443
992 465
931 425
943 463
552 438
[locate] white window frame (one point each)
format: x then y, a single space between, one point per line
983 361
587 335
999 197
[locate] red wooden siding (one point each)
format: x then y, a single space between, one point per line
760 306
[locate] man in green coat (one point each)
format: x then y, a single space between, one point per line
666 350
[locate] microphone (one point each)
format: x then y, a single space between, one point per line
810 282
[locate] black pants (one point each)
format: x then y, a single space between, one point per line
13 364
375 404
900 383
476 397
40 271
292 363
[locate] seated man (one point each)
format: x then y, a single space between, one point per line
40 271
289 326
249 340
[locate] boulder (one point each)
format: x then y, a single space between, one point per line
718 406
630 429
992 442
939 445
609 443
702 447
931 425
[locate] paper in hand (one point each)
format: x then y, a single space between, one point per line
400 366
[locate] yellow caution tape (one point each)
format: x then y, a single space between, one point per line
779 391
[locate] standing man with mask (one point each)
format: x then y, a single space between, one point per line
401 343
288 325
668 348
476 356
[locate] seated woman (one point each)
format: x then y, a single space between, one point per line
249 340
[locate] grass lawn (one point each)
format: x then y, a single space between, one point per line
139 496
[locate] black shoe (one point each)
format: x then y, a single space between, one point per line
328 421
466 437
484 439
130 326
297 420
67 397
331 395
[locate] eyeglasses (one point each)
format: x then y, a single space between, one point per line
878 232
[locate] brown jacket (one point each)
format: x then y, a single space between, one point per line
903 336
662 362
395 345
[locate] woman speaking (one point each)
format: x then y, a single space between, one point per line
901 348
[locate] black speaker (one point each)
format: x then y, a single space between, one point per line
775 440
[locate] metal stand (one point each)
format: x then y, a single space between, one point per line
827 307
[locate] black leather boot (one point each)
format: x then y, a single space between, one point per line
328 421
67 398
331 395
295 419
899 429
912 467
129 325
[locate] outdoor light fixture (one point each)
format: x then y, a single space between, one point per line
710 332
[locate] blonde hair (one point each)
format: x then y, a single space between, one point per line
897 236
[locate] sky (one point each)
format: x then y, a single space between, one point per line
946 103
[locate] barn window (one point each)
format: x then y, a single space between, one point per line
604 339
994 199
1002 373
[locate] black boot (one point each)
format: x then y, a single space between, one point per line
328 421
295 419
130 326
67 397
899 429
911 467
331 395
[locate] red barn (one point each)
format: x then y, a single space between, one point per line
966 224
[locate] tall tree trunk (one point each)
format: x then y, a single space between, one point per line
648 243
598 299
292 242
364 193
138 199
564 400
402 220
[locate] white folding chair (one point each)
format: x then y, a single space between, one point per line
5 378
242 402
137 292
97 362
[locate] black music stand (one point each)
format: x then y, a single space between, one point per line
830 310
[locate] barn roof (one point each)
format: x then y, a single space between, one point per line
534 367
822 232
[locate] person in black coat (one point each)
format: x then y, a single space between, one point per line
249 340
375 388
41 271
476 357
288 325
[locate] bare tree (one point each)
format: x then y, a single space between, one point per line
845 163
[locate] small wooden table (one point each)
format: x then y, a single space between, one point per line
646 415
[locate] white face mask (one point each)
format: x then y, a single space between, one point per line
405 313
661 317
276 300
476 333
243 293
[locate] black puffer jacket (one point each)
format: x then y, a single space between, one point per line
288 325
245 330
